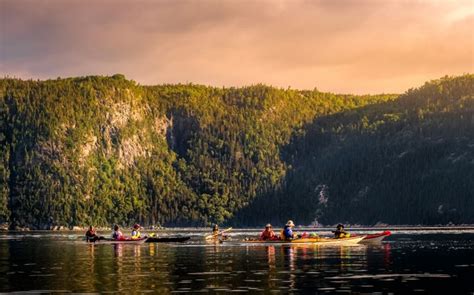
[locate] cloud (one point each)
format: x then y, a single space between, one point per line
341 46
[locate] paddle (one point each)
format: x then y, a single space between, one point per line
218 234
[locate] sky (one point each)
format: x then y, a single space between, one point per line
346 46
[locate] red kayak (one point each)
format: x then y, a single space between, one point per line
375 238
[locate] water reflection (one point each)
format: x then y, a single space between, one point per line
151 249
272 268
387 257
118 250
400 266
290 259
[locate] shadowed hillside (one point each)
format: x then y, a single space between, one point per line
408 161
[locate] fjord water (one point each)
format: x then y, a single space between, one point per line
407 262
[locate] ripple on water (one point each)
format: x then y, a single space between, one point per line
252 281
386 276
42 291
339 291
326 289
206 273
184 269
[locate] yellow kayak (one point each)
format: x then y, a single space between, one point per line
314 241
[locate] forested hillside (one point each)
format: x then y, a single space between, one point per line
407 161
103 150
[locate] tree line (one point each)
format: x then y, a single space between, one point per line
102 150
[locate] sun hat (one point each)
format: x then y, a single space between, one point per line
268 225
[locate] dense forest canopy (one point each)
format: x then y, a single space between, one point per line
102 150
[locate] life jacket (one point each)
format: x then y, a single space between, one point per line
136 234
267 235
287 233
90 233
117 235
340 234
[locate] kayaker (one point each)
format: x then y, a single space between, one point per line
341 232
287 232
91 235
136 232
215 230
117 234
216 233
268 233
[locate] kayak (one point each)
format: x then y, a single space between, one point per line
167 239
313 241
375 238
112 241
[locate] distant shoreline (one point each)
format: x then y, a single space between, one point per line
251 229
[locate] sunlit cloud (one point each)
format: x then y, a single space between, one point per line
340 46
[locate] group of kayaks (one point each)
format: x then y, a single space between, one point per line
362 239
355 239
143 240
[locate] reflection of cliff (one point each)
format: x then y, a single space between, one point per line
91 266
128 266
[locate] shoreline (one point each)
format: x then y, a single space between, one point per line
245 229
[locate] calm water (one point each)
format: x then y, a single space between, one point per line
407 262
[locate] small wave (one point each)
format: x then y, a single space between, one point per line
386 276
206 273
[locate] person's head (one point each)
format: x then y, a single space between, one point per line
215 227
268 226
136 226
290 223
116 227
340 226
91 227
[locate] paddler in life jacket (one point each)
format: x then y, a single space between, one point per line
136 232
216 234
341 232
91 235
268 233
287 232
215 230
117 234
